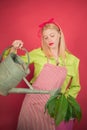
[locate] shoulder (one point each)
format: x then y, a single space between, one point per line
36 55
72 63
36 51
72 59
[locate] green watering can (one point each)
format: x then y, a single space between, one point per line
12 71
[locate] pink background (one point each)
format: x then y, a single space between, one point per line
19 19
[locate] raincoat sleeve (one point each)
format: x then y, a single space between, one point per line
6 53
74 87
31 57
31 54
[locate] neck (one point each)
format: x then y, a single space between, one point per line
55 53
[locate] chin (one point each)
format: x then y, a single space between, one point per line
52 47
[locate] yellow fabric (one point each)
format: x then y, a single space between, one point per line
72 64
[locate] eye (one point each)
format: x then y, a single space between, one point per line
45 37
52 35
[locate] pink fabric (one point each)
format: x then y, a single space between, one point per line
47 22
32 116
65 125
51 77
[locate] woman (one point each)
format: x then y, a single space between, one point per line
54 51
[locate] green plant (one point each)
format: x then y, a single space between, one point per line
63 108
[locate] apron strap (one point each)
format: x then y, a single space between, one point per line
48 60
57 62
70 81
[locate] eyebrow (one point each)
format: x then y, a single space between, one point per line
49 34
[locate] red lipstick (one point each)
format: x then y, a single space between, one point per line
50 44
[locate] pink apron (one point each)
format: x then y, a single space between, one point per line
51 77
32 115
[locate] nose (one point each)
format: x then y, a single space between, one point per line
49 39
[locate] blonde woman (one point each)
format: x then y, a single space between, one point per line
54 51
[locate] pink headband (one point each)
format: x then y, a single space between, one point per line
44 23
47 22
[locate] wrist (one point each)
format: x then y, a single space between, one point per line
13 49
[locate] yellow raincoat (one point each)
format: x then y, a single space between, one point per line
72 64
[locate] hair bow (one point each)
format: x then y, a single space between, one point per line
47 22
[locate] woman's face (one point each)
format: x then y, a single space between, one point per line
51 37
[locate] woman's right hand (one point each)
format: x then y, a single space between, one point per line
17 44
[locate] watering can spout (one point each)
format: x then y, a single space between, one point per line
27 91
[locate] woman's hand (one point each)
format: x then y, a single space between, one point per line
17 44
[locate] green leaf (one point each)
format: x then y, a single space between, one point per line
68 113
50 105
51 108
75 107
60 109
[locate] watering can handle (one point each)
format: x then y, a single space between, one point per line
1 56
24 49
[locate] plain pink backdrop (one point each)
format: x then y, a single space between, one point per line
19 19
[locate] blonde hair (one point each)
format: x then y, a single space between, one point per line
61 47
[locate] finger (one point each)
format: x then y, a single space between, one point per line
20 46
17 44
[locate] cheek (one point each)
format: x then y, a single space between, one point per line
56 39
46 41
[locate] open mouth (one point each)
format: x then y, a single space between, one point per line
50 44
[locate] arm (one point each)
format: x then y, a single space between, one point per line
17 44
32 57
74 87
